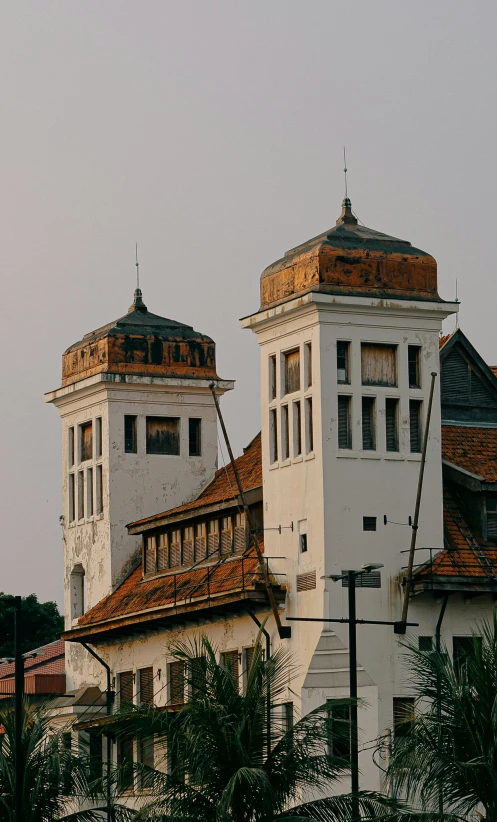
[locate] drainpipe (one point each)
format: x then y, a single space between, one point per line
268 696
439 711
109 702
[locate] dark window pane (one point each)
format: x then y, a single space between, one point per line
338 730
309 426
126 687
391 423
146 686
272 377
273 435
194 437
403 715
463 648
95 754
343 349
176 683
163 435
368 424
303 543
125 763
413 364
344 428
425 643
130 434
369 523
415 425
231 662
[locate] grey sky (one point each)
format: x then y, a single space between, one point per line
212 133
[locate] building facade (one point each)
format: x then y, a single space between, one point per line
157 543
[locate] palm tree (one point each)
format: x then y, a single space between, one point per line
221 760
445 759
55 780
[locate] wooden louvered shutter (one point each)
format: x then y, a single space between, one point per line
162 552
200 541
292 371
230 661
147 686
213 537
368 427
392 438
344 438
415 425
177 683
455 379
175 548
126 687
150 555
227 536
240 534
188 546
480 395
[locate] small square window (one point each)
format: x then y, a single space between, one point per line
194 437
369 523
130 434
163 435
425 643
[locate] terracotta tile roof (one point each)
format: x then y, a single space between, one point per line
137 594
443 339
51 661
458 559
473 449
493 369
223 487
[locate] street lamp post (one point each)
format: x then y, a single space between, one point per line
18 707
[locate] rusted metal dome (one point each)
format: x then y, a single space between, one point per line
355 260
143 344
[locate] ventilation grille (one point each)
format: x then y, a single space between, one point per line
306 582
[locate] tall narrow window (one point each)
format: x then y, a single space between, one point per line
343 362
99 490
392 424
339 729
176 683
297 429
150 555
98 437
70 447
240 533
81 495
126 688
309 426
491 507
187 547
415 425
146 682
273 435
368 424
71 498
308 365
285 434
95 755
86 441
378 364
162 551
344 424
292 371
130 434
175 548
163 435
272 377
200 541
77 588
414 363
403 715
230 661
227 536
194 437
89 492
213 537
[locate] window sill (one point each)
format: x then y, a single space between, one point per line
310 456
274 466
390 455
347 454
373 455
297 459
414 458
285 463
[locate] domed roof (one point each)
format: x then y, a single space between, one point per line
144 344
351 259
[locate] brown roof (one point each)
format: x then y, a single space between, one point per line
138 595
51 660
463 556
473 449
223 487
443 339
493 369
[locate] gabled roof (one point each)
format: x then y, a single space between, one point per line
222 489
448 342
51 660
472 449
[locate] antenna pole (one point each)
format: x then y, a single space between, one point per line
345 171
137 266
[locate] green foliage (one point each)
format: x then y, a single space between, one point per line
41 623
219 741
447 758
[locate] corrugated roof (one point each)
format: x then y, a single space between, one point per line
473 449
223 487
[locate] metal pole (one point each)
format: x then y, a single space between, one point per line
268 694
18 708
414 534
438 648
354 734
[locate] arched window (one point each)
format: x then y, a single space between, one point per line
77 584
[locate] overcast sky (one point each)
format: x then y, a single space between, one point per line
211 132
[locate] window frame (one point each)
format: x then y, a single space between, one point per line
344 399
130 436
195 440
149 420
343 354
414 362
288 386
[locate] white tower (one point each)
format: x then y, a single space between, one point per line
139 434
348 330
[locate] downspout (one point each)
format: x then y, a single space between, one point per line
109 703
438 645
268 696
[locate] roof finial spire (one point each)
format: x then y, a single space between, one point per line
138 304
345 173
